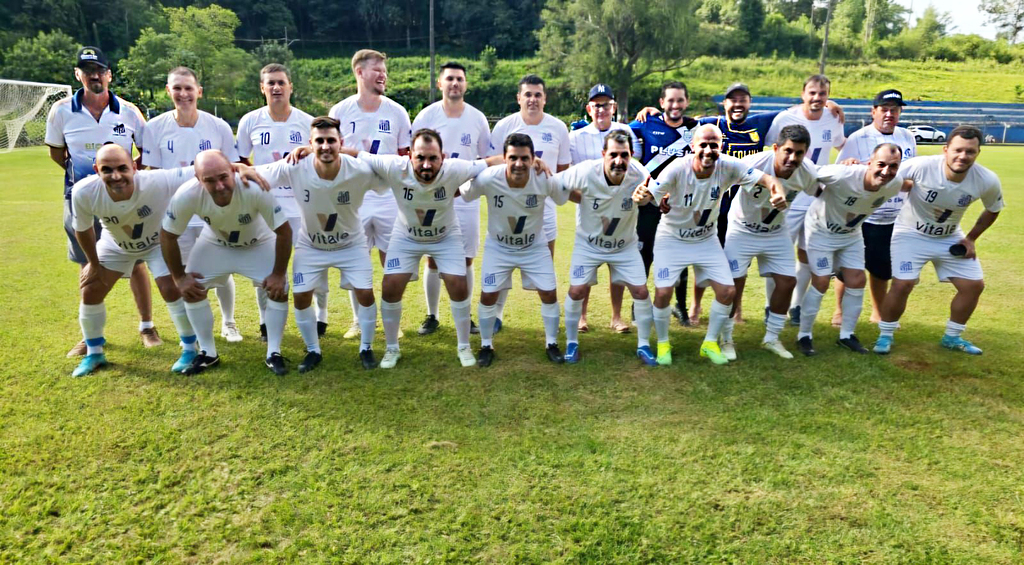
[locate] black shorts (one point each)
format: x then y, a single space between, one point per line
876 250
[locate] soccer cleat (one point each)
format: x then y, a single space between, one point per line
312 359
201 363
473 329
806 346
679 313
729 350
777 348
572 353
485 356
554 354
883 345
351 332
230 332
150 338
321 328
391 357
767 311
664 353
960 344
367 358
89 364
276 364
183 362
78 350
429 325
497 325
852 343
794 316
263 333
646 356
466 356
711 350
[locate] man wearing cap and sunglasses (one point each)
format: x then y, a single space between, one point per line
76 128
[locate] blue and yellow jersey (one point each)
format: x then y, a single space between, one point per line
744 138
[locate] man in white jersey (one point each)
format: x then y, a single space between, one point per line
376 124
329 189
928 229
877 228
757 230
466 135
173 139
515 240
585 144
76 128
270 134
246 233
687 234
550 139
826 131
835 245
606 234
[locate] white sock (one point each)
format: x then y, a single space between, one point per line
180 320
551 315
367 325
717 317
277 317
954 329
261 303
432 289
803 281
320 295
776 322
201 317
355 306
305 319
485 316
809 311
92 318
769 290
727 328
391 317
853 303
461 312
499 313
644 312
226 299
573 313
146 325
887 329
661 320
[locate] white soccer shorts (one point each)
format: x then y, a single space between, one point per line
296 224
911 250
795 226
536 268
310 267
625 266
187 240
774 252
826 255
216 263
469 222
550 219
118 260
404 255
672 255
378 219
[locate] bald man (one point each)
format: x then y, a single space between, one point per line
245 232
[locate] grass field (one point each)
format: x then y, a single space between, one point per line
911 458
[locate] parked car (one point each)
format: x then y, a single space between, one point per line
926 133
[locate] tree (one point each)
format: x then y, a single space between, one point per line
751 19
1007 15
617 41
47 57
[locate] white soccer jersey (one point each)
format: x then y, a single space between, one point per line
133 224
550 138
270 141
466 137
382 132
695 202
329 208
861 144
826 133
426 213
167 145
752 210
247 220
587 142
936 204
607 214
69 124
845 203
515 216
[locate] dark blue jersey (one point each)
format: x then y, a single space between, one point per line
746 137
655 135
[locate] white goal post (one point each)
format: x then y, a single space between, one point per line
23 110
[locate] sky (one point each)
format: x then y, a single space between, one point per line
968 17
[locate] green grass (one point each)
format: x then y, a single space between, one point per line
910 458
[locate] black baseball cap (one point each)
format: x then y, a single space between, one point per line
891 96
92 55
601 90
737 87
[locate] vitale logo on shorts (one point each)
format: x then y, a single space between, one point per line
663 273
392 263
489 279
965 200
439 194
144 211
344 198
244 219
906 267
531 201
577 272
205 145
822 263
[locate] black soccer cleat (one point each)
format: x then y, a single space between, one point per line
806 346
310 362
767 312
263 333
473 329
201 363
485 356
368 360
794 316
853 344
321 329
276 363
554 354
679 313
429 325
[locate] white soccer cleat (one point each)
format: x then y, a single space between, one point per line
230 332
777 348
729 350
466 356
391 357
351 332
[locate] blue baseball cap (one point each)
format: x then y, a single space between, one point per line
601 90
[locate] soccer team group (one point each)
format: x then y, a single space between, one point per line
667 192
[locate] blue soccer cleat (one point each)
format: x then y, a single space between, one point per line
497 325
185 361
572 353
960 344
644 354
883 345
89 364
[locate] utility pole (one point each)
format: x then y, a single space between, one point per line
824 43
433 82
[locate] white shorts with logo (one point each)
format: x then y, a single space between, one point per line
826 254
536 268
550 219
774 252
378 217
625 266
216 262
911 250
118 260
672 255
469 223
404 254
310 267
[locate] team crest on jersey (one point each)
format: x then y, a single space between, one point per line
687 136
546 137
144 211
384 126
754 137
205 145
466 140
823 263
119 129
531 201
295 136
715 192
343 197
244 219
627 204
826 136
965 200
439 194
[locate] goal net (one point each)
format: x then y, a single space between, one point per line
23 110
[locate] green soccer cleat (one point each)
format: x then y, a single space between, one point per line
710 350
664 353
89 364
